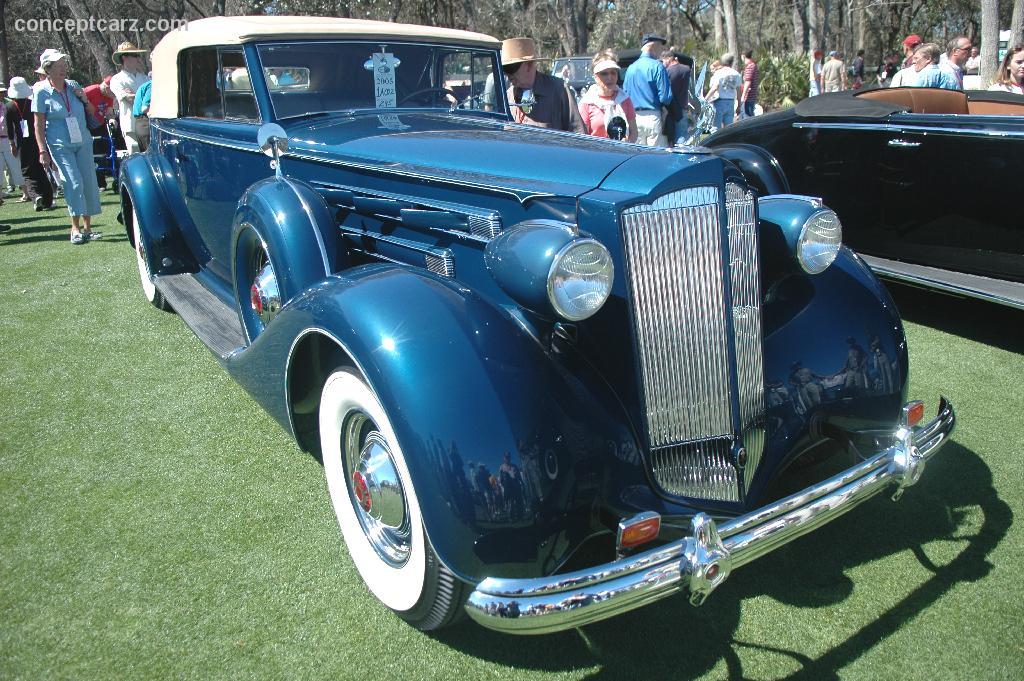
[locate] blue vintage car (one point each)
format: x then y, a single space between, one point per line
551 377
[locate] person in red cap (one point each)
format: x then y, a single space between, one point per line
103 101
910 43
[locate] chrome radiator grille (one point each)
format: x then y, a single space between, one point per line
746 321
673 250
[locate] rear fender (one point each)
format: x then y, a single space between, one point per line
147 186
467 390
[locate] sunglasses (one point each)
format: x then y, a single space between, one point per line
510 69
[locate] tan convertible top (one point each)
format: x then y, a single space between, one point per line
238 30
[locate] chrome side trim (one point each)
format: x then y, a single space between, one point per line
215 141
910 127
438 260
700 562
484 224
745 276
441 261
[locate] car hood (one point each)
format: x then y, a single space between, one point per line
463 149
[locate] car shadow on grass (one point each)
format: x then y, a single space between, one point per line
671 638
978 320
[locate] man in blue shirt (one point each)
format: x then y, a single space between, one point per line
647 85
926 63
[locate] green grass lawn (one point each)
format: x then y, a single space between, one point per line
156 523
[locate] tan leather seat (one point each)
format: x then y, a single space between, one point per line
922 100
995 108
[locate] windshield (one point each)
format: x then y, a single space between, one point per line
573 70
313 77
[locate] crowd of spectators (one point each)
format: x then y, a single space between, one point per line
49 131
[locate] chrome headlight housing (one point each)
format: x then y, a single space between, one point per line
819 242
580 279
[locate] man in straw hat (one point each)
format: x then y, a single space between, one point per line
543 100
124 85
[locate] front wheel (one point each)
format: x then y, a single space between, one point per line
149 289
377 507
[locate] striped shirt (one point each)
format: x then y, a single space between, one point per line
753 76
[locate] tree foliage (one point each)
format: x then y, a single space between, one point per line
705 27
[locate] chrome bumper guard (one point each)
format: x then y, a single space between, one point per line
702 561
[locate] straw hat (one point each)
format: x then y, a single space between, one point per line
518 50
127 47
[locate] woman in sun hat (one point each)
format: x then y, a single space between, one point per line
10 143
606 109
37 184
60 106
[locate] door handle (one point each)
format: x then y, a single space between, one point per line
904 144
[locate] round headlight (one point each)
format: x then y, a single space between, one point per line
819 242
580 279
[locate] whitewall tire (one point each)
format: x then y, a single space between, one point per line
377 507
149 289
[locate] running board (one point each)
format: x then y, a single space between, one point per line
209 317
971 285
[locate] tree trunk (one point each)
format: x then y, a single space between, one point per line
800 44
668 25
989 41
719 27
94 41
730 27
826 27
862 34
1017 24
5 61
813 34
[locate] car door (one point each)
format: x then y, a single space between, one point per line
844 163
955 208
216 157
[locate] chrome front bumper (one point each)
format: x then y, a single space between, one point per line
702 561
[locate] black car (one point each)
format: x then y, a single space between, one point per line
922 179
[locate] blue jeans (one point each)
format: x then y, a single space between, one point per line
681 129
748 108
725 111
78 178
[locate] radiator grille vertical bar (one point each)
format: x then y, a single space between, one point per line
746 313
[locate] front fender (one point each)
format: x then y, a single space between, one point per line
147 186
467 391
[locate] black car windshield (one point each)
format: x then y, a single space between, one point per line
324 76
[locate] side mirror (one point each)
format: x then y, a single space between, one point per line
273 141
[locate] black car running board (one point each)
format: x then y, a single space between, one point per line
971 285
215 322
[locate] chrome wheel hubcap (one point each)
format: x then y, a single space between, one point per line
375 489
